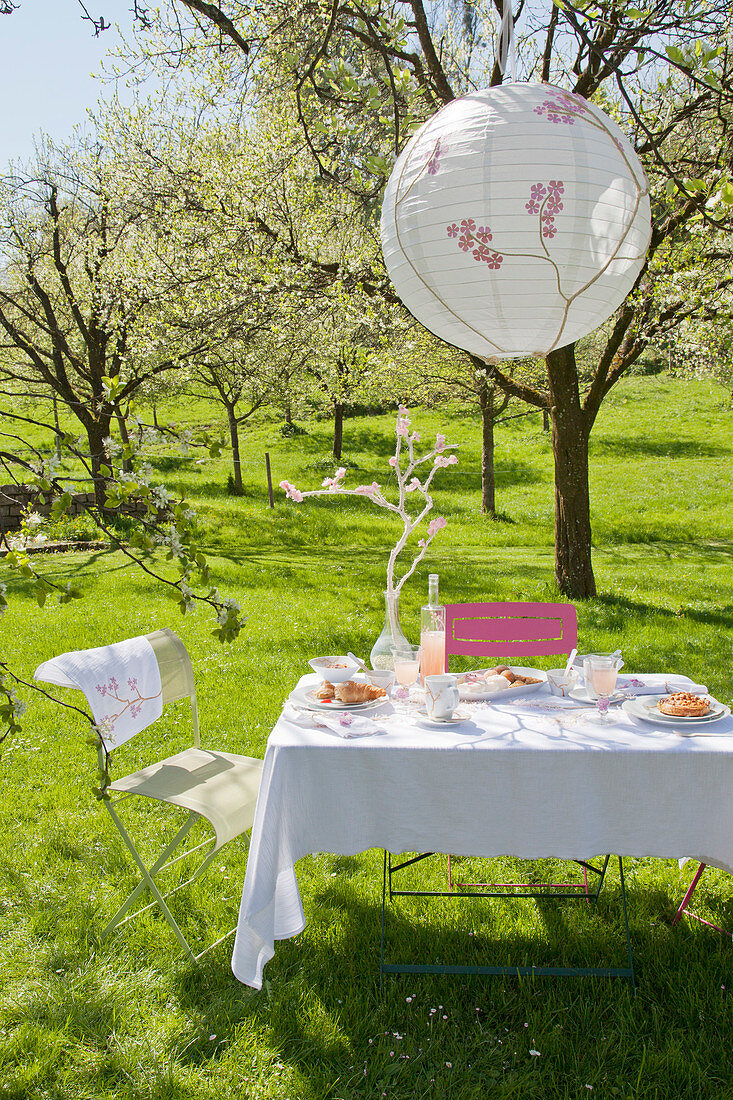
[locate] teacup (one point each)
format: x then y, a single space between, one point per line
561 682
441 695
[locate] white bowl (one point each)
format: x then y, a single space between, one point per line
328 668
381 678
560 682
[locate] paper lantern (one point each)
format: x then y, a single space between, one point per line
516 220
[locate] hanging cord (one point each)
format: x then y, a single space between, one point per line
506 42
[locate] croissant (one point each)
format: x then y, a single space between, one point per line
325 691
351 692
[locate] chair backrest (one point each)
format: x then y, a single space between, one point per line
176 671
510 630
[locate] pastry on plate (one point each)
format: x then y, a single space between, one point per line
351 692
324 691
682 704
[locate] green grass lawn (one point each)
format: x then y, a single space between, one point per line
131 1019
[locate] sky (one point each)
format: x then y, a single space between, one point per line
47 55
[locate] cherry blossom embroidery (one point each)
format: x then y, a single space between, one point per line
135 704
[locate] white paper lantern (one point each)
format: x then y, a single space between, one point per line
516 220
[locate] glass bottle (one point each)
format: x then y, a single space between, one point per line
432 632
381 655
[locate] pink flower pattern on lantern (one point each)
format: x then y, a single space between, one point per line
475 240
434 162
546 201
565 107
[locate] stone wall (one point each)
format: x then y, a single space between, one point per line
14 499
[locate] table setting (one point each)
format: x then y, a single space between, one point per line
528 770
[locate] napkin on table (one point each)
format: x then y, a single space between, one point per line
656 683
343 724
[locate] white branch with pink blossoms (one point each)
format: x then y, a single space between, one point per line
407 484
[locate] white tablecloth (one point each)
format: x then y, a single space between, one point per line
537 779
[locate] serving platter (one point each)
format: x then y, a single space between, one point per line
504 694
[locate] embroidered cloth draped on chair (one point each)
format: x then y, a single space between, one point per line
121 682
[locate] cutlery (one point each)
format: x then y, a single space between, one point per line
352 657
571 658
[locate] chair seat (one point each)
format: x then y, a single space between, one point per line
220 786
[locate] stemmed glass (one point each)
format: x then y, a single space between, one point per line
406 664
603 673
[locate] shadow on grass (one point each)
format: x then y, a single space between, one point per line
634 446
618 605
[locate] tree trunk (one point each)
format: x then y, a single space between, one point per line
488 494
288 412
125 437
236 461
570 431
97 432
545 414
338 429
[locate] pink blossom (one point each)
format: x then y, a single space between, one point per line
403 426
422 543
548 230
481 253
538 190
465 243
363 490
414 484
453 230
291 491
439 442
403 410
393 460
415 437
435 525
484 234
453 460
532 207
468 225
494 261
556 186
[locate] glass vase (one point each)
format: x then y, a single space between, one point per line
381 655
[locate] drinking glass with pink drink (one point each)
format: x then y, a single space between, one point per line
406 664
603 673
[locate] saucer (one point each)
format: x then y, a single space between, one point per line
579 694
455 720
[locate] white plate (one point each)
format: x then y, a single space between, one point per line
302 697
507 693
579 694
645 708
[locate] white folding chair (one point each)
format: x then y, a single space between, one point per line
220 787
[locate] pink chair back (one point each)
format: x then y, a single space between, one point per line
509 630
